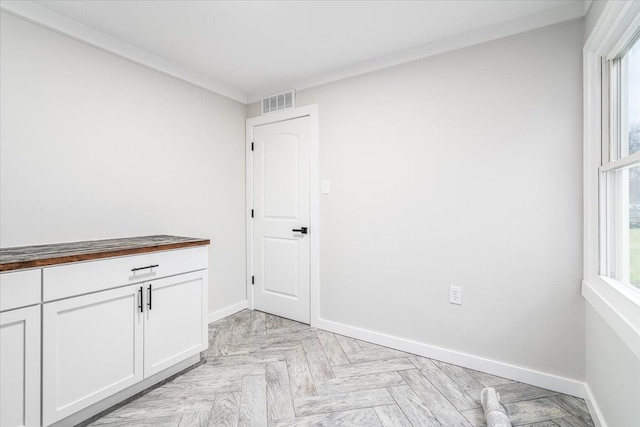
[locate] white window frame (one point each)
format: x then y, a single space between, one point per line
616 302
614 235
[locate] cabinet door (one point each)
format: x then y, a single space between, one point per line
175 320
20 367
92 348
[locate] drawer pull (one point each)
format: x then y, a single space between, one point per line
144 268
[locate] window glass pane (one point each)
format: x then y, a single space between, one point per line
623 227
634 226
633 99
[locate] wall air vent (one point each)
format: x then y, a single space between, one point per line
279 101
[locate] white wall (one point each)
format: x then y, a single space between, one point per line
613 373
94 146
461 169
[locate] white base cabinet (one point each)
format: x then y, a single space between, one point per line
140 315
20 367
77 338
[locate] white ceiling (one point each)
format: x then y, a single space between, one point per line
253 48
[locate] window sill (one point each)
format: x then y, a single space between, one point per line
618 305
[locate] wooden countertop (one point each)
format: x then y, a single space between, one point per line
43 255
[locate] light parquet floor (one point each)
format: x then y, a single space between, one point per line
263 370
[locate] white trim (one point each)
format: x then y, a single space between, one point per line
592 153
310 111
51 20
494 367
248 170
546 18
627 161
612 27
314 210
594 409
631 25
214 316
618 306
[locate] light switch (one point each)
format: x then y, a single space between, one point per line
326 187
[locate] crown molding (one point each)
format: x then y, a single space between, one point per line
51 20
547 18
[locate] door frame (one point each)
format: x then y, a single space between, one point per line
310 111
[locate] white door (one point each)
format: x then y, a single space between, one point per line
281 240
20 367
175 325
92 348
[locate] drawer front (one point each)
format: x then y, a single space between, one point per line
92 276
19 289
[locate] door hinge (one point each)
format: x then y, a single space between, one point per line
251 213
253 280
252 146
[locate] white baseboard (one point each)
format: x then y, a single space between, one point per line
594 410
214 316
501 369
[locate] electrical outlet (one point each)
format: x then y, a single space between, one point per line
455 295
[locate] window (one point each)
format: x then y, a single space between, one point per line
620 172
611 166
